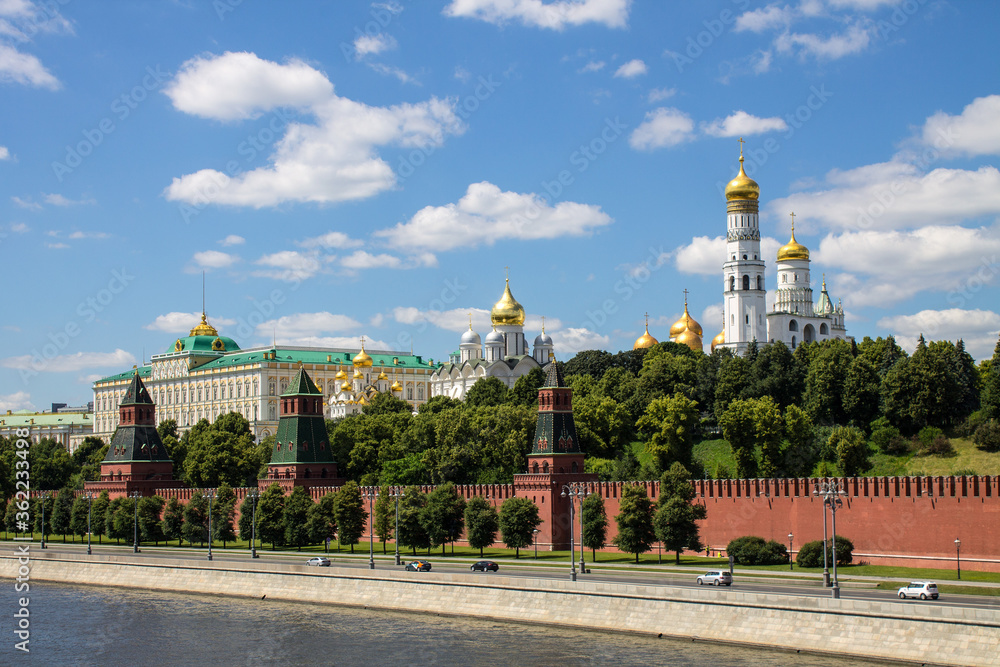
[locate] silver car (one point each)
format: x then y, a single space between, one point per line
919 589
716 578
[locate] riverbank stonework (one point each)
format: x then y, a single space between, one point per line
922 634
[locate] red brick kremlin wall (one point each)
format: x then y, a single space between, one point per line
910 521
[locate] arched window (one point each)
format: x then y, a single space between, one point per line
793 342
746 282
823 329
732 283
784 278
793 325
760 282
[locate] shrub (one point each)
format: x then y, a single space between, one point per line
897 446
987 436
928 435
811 553
885 438
752 550
941 446
971 424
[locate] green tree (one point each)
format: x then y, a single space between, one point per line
150 525
196 519
41 510
351 514
98 515
518 520
62 512
525 389
223 451
737 422
385 515
172 524
677 514
768 431
411 529
824 396
271 515
489 392
991 386
606 423
862 392
87 457
296 516
51 465
443 517
322 522
669 426
800 434
775 373
386 404
78 518
589 362
730 381
852 450
635 521
595 523
482 522
224 515
10 518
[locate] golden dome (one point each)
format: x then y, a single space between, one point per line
686 323
341 375
204 329
718 340
346 386
362 358
793 249
358 375
645 340
383 376
396 386
690 339
507 311
742 187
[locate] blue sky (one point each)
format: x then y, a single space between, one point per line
341 169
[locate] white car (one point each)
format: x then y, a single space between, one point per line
319 560
919 589
716 578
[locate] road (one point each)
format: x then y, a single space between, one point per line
524 568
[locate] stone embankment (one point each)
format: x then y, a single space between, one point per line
918 633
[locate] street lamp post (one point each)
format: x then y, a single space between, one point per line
534 540
790 552
43 497
90 507
573 491
253 521
397 491
135 521
211 497
370 493
958 557
830 491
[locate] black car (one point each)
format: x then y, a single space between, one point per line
418 566
485 566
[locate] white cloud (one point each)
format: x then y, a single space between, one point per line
660 94
89 235
897 195
18 227
59 200
567 342
344 342
764 18
289 265
712 317
213 259
374 44
233 239
25 69
631 69
331 240
486 215
304 325
70 362
26 203
57 246
592 66
662 127
377 320
456 319
177 322
19 400
740 123
977 328
387 70
705 256
462 74
552 15
4 153
854 40
362 260
976 131
333 160
89 379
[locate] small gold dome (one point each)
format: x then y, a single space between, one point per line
690 339
686 323
362 359
793 250
742 187
341 375
346 386
396 386
383 376
358 375
718 340
204 329
645 341
507 311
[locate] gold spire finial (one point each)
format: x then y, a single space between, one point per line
543 324
647 322
470 320
362 343
685 300
741 148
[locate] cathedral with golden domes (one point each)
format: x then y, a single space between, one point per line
505 353
793 318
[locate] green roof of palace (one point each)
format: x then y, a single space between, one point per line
202 344
22 418
285 356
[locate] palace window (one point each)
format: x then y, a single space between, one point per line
746 282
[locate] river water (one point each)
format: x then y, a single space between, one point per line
80 625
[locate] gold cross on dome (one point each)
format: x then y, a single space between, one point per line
741 146
685 297
506 271
793 221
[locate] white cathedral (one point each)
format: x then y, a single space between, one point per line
505 357
794 318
